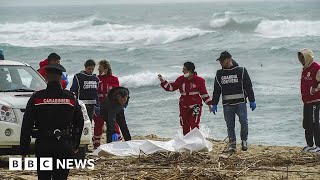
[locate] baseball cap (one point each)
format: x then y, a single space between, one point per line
224 55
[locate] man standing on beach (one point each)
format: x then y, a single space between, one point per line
310 88
234 83
53 58
54 117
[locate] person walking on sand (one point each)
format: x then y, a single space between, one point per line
310 78
234 83
193 91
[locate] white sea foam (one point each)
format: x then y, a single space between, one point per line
265 27
147 78
286 28
88 32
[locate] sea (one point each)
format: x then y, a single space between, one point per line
144 40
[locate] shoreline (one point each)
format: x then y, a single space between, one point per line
259 162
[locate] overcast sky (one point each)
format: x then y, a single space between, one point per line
92 2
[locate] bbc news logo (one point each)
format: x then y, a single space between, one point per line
46 164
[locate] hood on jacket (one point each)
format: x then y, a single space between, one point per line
308 56
43 63
235 64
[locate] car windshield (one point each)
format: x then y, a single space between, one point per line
20 79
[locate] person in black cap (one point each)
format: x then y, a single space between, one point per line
112 111
234 83
54 117
193 91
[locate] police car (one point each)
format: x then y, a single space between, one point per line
18 81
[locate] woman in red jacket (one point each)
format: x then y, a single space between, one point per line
193 91
106 83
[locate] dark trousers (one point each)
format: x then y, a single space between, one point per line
55 174
90 110
121 120
311 123
52 148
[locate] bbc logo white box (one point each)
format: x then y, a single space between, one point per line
15 164
46 164
30 164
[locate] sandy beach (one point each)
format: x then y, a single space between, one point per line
259 162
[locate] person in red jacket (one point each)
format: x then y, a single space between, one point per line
53 58
106 83
310 92
193 91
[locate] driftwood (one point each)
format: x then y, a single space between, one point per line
199 165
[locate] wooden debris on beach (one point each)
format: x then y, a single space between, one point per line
259 162
206 165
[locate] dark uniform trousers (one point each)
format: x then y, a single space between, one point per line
57 149
121 120
90 110
311 123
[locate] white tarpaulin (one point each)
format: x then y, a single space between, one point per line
193 141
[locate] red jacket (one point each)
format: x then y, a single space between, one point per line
42 65
308 81
106 83
192 91
43 72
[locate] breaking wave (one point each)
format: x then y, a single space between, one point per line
264 27
92 32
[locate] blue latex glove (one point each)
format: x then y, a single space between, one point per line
115 137
253 105
214 109
97 110
65 77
